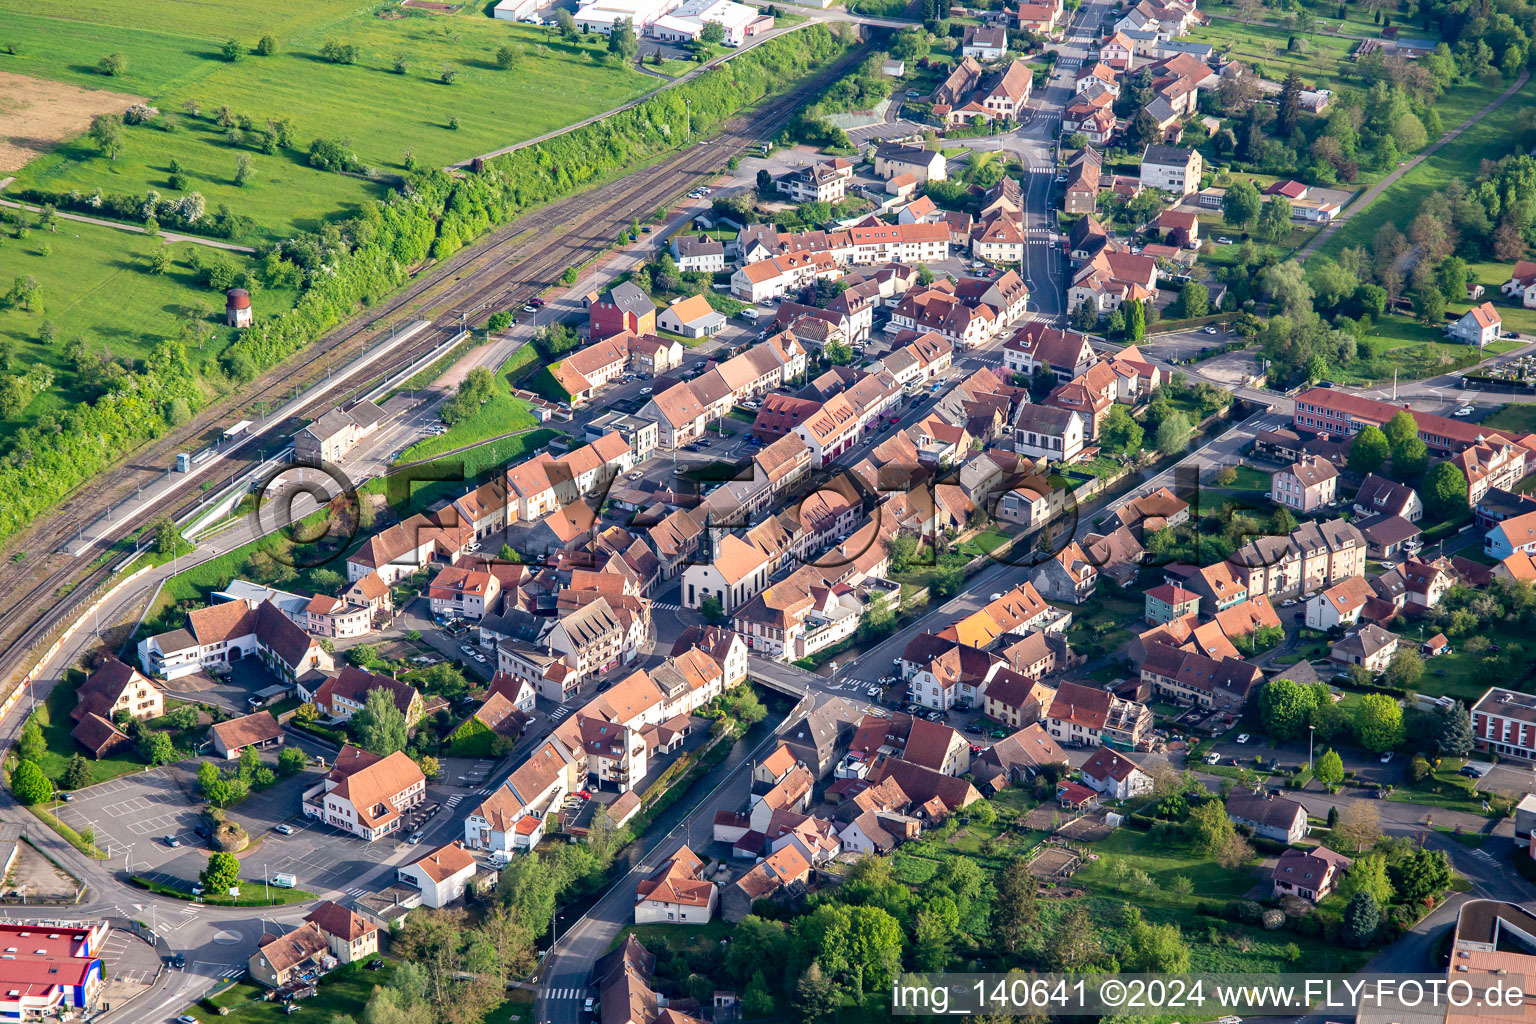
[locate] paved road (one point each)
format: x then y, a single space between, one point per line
1369 195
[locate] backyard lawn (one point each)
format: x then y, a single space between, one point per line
1412 350
343 991
53 716
1105 622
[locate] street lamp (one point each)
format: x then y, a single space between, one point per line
1311 731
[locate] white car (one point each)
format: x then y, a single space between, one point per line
1465 410
1229 1020
645 391
1386 758
1224 240
1210 330
995 597
1243 738
1212 758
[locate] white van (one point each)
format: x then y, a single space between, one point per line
284 881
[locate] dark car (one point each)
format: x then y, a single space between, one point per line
374 965
204 832
179 961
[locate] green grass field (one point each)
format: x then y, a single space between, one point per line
54 718
1491 138
384 114
1263 47
94 283
503 414
1514 416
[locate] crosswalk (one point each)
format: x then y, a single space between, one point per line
453 801
564 993
1069 62
667 606
355 893
559 713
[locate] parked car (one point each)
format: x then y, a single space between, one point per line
530 308
172 842
1465 410
1386 758
284 829
179 961
374 965
1243 738
536 302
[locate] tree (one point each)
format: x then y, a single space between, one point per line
1359 824
507 57
1274 219
29 784
363 655
621 39
1329 768
1234 852
712 33
1409 459
107 133
1194 300
158 260
1453 738
1135 322
77 773
380 725
291 760
1014 910
1173 433
431 768
1241 204
757 1000
1282 522
1074 942
242 170
1445 490
566 25
157 748
448 75
1379 722
1285 707
816 997
1451 277
1120 432
1361 917
222 872
338 52
1429 305
266 46
1368 450
113 65
1400 428
1085 317
306 713
1405 669
1158 948
1422 874
712 609
31 745
1210 827
1288 116
232 50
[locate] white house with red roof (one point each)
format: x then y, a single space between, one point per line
1115 775
1521 284
1478 326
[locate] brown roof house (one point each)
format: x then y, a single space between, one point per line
781 874
259 730
676 893
351 937
298 956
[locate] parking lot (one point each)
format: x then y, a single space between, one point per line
130 814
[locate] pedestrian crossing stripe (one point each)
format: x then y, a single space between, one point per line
666 606
563 993
355 893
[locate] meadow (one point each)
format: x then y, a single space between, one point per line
95 283
392 102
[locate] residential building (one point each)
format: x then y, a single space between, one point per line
1315 556
365 795
1478 326
1368 646
1494 462
1380 496
984 42
1047 432
117 688
692 317
1115 775
1171 168
1085 716
1305 485
823 182
622 308
678 892
229 631
698 253
1339 605
1269 817
1521 284
301 954
350 937
1337 412
1168 602
1310 874
1069 577
892 159
1516 534
442 875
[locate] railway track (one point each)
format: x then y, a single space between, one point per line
39 594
